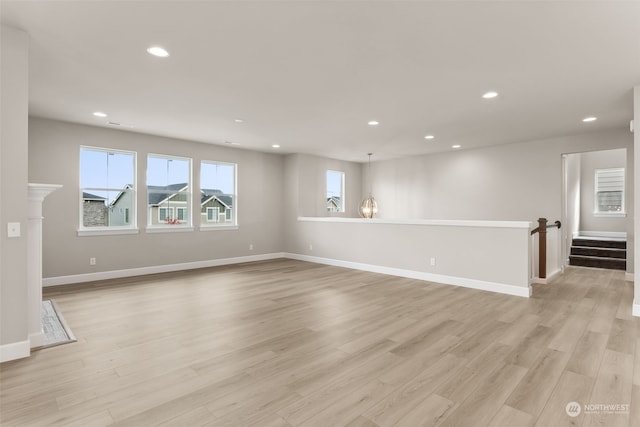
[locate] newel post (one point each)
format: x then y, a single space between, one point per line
542 248
37 193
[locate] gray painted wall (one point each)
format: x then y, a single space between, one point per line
54 156
589 163
521 181
14 72
515 182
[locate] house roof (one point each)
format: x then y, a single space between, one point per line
334 199
159 194
208 194
126 187
89 196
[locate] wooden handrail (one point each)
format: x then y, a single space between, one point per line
542 244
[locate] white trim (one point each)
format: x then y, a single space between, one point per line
629 277
218 227
448 280
168 229
107 232
610 214
15 350
36 340
433 222
130 272
550 278
412 274
636 310
612 234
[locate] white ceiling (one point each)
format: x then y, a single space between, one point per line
310 75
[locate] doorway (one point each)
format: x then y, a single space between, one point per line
595 219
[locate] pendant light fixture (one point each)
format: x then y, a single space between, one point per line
368 207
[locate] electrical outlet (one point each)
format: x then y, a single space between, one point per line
13 229
310 247
432 261
92 261
250 246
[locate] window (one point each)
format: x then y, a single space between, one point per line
181 214
335 191
168 191
164 214
213 214
218 194
107 189
609 191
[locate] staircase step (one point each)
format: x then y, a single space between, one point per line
598 262
599 252
598 243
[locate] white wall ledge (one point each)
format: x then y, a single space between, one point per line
429 222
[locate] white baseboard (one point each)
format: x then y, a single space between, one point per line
636 310
36 340
14 350
412 274
550 278
629 277
140 271
613 234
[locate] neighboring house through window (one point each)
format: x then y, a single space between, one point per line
609 191
335 191
168 191
107 189
218 193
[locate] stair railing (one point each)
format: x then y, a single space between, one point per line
541 229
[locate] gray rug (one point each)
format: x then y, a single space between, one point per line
56 331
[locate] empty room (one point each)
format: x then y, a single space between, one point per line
338 213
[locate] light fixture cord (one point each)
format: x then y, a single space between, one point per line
370 183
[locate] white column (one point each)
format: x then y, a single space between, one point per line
37 193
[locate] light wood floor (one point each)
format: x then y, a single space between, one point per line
288 343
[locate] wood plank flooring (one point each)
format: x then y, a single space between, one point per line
289 343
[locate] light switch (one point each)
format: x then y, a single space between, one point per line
13 229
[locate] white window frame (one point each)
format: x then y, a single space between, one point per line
161 227
596 206
216 223
342 191
132 226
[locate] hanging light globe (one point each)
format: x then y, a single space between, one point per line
368 207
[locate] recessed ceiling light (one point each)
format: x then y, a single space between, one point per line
490 94
275 146
99 114
429 137
232 143
373 123
589 119
158 51
238 120
456 146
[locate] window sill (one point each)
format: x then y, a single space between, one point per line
107 232
610 214
169 229
218 227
